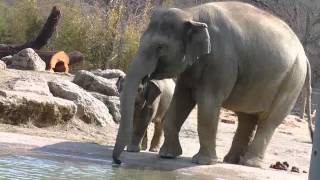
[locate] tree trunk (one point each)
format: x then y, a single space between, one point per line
42 38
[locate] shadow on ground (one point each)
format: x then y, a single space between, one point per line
100 153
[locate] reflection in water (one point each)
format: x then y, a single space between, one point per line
29 167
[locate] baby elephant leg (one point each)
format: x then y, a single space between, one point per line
144 143
156 137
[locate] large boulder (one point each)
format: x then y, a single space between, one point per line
113 104
7 59
91 82
42 111
27 59
90 109
109 73
37 85
2 65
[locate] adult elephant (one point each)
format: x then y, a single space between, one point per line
225 54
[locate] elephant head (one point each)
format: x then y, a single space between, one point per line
143 87
171 42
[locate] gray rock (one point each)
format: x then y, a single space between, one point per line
2 65
7 59
37 85
113 104
91 82
42 111
109 73
27 59
90 109
5 46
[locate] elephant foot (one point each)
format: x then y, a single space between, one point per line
170 150
204 158
133 148
252 161
154 149
232 158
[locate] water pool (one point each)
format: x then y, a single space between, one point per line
44 167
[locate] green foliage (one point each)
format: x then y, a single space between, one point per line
20 23
131 45
168 3
90 29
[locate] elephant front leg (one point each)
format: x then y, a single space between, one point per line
181 105
136 145
267 124
208 114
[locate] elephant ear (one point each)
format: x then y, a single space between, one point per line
152 92
197 41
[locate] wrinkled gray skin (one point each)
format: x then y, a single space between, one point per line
151 104
225 54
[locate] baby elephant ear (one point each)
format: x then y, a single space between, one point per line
153 91
197 41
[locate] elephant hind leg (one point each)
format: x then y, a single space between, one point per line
265 129
209 106
244 134
155 142
271 119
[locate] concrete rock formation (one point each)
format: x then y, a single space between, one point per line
109 73
91 82
37 85
113 104
7 59
42 111
27 59
2 65
90 109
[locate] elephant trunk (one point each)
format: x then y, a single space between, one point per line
139 68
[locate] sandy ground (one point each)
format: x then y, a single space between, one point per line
291 143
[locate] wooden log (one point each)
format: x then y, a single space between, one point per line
74 57
59 62
42 38
45 33
47 56
53 58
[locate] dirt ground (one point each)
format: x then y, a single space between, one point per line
291 141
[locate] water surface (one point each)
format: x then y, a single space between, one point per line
14 166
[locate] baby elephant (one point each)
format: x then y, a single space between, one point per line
151 104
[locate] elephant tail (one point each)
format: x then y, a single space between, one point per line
307 87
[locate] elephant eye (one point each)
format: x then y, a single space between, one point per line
161 49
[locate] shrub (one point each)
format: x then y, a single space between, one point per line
20 23
131 44
91 29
